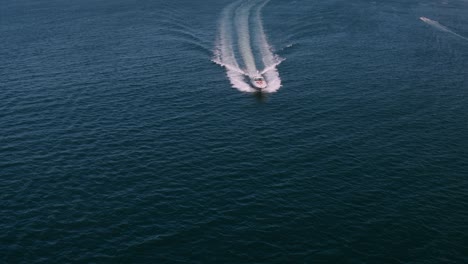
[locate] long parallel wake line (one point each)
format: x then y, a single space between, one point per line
269 59
243 34
241 30
441 27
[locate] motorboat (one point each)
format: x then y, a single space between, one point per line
258 81
425 19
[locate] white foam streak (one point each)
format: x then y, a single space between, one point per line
224 55
269 59
441 27
235 28
243 35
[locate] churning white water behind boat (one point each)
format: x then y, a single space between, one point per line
242 46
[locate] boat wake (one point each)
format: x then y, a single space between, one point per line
441 27
242 47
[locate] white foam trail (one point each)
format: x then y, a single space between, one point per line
270 60
441 27
243 35
234 25
224 55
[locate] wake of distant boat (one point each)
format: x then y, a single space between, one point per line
242 47
441 27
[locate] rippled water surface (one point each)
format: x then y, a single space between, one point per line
122 142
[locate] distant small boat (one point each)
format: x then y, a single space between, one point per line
425 19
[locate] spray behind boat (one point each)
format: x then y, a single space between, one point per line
240 33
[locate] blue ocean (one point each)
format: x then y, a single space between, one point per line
132 131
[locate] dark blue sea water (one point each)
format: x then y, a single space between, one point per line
122 142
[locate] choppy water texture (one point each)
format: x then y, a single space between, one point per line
122 142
